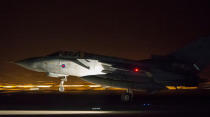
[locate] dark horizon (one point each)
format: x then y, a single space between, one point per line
127 29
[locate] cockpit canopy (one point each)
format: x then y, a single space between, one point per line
67 54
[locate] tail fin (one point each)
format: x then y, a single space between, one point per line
197 52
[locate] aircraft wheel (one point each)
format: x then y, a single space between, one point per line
61 89
127 97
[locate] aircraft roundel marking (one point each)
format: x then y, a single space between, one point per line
63 65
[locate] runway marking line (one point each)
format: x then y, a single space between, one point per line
62 112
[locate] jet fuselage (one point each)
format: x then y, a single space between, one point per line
112 71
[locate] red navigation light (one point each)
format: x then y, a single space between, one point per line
136 69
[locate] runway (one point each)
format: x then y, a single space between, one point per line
65 112
104 103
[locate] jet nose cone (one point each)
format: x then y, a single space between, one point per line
33 64
21 63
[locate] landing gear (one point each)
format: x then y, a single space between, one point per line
61 87
128 96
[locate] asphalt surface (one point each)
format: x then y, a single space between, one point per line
104 103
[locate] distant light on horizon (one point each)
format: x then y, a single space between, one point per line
78 87
30 87
180 87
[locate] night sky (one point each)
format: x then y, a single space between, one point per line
132 29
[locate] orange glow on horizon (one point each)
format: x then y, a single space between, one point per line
180 87
80 87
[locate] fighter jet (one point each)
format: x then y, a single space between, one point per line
179 68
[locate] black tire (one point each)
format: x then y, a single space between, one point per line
127 97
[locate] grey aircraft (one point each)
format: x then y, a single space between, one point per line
179 68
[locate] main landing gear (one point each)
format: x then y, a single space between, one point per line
61 87
128 96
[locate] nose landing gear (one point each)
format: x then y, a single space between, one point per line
61 87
